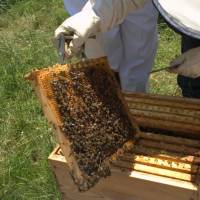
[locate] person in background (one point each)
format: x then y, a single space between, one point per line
103 15
185 21
189 82
130 46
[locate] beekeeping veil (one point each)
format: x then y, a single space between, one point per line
183 15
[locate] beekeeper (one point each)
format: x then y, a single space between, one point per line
102 15
130 46
184 17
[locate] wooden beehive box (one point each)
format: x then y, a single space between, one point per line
162 164
131 184
164 159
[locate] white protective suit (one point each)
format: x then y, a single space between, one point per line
129 46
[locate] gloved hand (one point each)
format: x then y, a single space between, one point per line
188 64
81 26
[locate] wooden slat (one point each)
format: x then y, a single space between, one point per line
167 117
161 163
171 147
176 102
154 170
164 109
169 139
168 155
178 129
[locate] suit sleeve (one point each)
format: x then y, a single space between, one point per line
113 12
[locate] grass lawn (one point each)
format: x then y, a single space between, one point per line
26 32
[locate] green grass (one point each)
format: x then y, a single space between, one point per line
163 82
26 32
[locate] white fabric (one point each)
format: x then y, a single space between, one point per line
93 49
82 31
130 46
139 37
187 12
189 64
113 12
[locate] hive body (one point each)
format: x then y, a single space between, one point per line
163 160
161 164
123 184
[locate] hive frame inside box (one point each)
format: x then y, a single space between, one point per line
122 185
174 115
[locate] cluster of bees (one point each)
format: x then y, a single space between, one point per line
93 119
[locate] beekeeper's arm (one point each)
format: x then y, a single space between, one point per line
188 64
113 12
96 16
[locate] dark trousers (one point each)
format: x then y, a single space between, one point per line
190 87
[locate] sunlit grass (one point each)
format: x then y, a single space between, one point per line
168 48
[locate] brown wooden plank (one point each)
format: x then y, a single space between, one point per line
168 155
185 112
177 102
169 139
154 170
186 130
167 117
185 150
162 163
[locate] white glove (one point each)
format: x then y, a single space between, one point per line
81 26
188 64
94 48
96 16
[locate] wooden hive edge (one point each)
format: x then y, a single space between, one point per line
57 157
55 120
164 100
